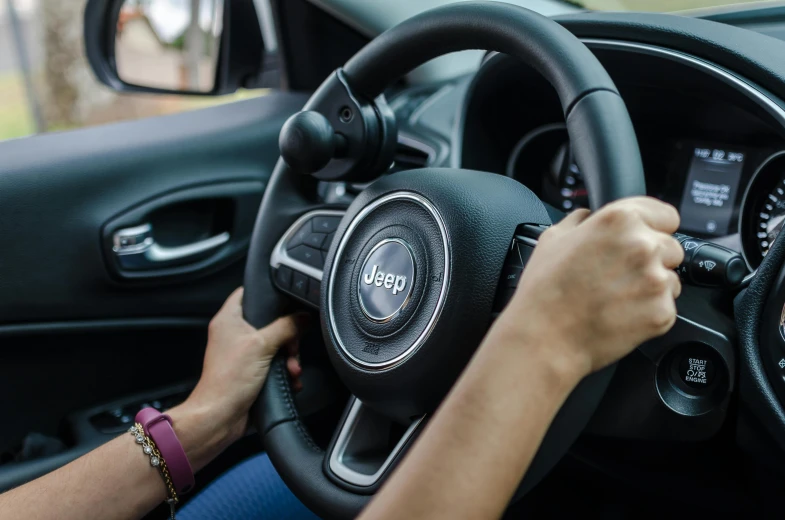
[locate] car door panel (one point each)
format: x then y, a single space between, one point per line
76 331
58 190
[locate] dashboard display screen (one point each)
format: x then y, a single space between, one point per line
710 191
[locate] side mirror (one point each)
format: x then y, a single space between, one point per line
201 47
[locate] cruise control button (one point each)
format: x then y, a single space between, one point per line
299 236
314 290
325 224
283 277
511 274
300 285
308 255
315 240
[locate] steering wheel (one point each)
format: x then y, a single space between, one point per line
406 277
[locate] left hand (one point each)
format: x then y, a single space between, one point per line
236 364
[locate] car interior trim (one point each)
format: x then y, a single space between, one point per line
348 430
430 208
82 326
744 85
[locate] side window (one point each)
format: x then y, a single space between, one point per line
47 85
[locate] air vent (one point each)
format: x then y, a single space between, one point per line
410 154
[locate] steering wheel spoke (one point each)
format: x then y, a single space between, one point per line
367 444
297 261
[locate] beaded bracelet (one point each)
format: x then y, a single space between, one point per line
156 461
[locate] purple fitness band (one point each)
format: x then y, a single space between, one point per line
158 427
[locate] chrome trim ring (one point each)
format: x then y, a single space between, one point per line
426 204
339 467
744 200
408 249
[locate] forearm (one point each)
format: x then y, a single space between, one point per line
114 481
474 452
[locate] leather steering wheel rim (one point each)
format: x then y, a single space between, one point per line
605 147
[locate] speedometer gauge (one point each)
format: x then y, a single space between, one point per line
771 218
763 209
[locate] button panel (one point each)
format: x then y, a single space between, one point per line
298 259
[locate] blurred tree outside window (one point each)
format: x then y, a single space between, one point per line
46 83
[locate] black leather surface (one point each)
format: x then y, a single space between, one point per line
755 56
495 26
604 143
283 202
755 389
295 455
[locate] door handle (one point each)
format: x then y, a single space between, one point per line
135 248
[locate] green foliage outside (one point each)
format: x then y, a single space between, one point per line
15 120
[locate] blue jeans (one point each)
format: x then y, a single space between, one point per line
252 490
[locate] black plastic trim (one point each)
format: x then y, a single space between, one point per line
79 327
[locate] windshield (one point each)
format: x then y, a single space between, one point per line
373 17
654 5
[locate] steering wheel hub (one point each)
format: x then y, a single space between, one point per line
400 328
387 282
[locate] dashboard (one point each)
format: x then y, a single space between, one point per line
706 105
728 194
711 145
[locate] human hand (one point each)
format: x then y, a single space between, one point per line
236 363
598 285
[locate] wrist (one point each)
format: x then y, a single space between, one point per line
201 432
558 361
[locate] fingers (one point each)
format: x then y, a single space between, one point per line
574 218
671 252
284 330
295 371
293 364
675 284
656 214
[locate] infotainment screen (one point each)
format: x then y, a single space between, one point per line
710 190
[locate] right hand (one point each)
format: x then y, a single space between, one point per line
598 285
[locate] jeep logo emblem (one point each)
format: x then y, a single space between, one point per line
390 281
386 280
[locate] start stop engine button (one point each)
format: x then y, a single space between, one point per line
697 371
